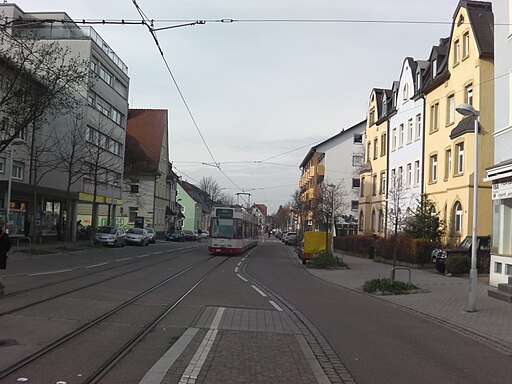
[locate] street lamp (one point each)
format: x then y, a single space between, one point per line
468 110
16 141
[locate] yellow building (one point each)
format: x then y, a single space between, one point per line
312 172
460 71
372 209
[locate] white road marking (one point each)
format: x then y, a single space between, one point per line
239 263
236 269
243 278
157 373
96 265
50 272
259 291
146 255
157 253
126 258
276 306
194 368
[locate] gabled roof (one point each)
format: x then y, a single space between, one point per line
440 54
482 21
195 193
262 208
145 132
312 151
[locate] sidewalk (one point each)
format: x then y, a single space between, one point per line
445 302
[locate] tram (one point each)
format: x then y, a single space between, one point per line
232 230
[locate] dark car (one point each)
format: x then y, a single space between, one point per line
175 235
190 235
439 256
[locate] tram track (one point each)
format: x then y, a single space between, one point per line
75 278
128 345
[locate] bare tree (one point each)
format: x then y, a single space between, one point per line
331 204
210 186
70 154
299 207
227 199
39 81
102 167
398 207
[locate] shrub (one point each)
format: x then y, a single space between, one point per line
387 286
458 264
359 244
416 251
326 260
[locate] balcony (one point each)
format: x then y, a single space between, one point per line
320 170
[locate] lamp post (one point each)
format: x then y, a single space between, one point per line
469 110
16 141
111 213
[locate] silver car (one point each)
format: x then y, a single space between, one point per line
113 236
151 234
137 236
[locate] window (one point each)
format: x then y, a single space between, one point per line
383 144
498 267
450 109
399 177
374 185
457 219
383 183
368 148
106 76
418 81
358 137
354 205
375 148
5 124
393 139
416 172
405 95
409 131
372 117
408 174
456 52
134 188
469 94
357 160
434 117
448 164
356 182
465 45
2 165
433 168
17 171
21 134
401 136
434 68
508 269
117 116
362 186
361 221
460 158
381 221
94 65
417 134
372 222
393 176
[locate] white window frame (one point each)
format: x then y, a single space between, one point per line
450 106
400 136
460 157
457 217
418 127
433 168
410 131
408 174
416 173
17 170
448 168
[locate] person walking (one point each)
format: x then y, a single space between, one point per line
5 245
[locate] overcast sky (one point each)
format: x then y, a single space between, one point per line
261 90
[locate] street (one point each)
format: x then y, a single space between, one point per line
171 313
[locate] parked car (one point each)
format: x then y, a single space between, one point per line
291 238
137 236
189 235
113 236
439 256
175 235
205 234
152 235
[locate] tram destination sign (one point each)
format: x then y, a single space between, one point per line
225 212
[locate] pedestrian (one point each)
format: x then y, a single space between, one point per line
5 245
26 227
58 227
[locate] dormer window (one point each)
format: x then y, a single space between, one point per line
434 68
405 92
418 81
460 21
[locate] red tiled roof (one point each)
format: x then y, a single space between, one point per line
144 134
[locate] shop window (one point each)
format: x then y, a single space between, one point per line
498 268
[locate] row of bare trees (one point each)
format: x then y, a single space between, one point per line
42 88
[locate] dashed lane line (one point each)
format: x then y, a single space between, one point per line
243 278
276 306
259 291
50 272
96 265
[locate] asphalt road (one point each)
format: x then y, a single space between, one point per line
377 341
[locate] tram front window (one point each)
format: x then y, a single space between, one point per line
222 228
